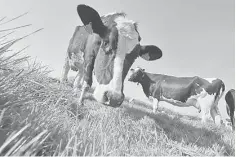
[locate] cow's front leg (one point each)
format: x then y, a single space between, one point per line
77 82
87 77
65 70
155 105
85 87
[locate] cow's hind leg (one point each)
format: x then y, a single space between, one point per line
216 115
65 70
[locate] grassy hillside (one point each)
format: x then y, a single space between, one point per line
38 116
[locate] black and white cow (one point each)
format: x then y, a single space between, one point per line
203 94
110 49
75 53
230 106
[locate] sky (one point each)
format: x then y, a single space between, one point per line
195 36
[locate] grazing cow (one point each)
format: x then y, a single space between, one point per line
203 94
230 106
110 49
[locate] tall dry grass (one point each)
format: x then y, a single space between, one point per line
41 117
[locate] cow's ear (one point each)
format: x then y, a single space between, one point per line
88 16
150 52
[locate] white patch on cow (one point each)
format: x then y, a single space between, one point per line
128 39
155 105
112 13
126 29
174 102
210 80
135 71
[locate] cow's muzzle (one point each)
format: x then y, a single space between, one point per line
114 99
109 98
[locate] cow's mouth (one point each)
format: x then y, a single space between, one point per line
131 79
108 97
114 99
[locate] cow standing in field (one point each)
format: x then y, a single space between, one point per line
111 47
75 53
203 94
230 106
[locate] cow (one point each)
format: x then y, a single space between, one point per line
110 49
230 106
203 94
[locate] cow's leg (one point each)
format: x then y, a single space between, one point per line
87 77
65 70
205 108
85 87
204 116
77 82
215 115
155 105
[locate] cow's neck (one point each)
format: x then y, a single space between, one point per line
146 83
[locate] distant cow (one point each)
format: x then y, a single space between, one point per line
230 106
112 45
203 94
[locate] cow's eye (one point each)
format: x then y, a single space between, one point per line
105 43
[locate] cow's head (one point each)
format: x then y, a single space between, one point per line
119 47
136 75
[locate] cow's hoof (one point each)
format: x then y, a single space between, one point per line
81 102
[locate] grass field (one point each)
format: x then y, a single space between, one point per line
38 116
